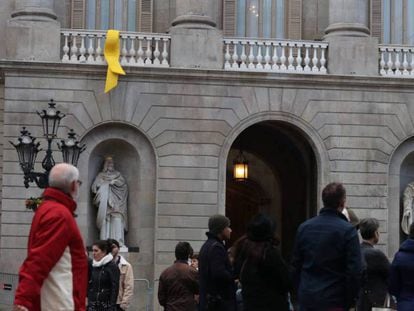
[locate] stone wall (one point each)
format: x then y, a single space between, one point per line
1 141
188 119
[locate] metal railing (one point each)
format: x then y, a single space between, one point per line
8 285
9 282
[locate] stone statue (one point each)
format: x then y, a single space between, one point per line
111 197
407 217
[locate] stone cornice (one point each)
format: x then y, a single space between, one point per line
203 76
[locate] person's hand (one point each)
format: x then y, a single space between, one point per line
19 308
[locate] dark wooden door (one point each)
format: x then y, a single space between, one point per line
243 201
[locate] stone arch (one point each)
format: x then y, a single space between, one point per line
401 158
135 158
309 133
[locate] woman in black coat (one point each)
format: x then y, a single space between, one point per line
263 274
402 274
104 279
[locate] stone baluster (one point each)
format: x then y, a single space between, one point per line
157 52
275 58
227 55
412 62
74 49
148 52
140 54
307 59
91 51
315 59
389 63
290 58
235 57
405 62
382 62
323 60
267 56
82 49
164 53
65 57
243 56
299 59
283 57
259 55
99 58
132 52
251 55
124 51
397 63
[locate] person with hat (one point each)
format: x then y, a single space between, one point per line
263 273
217 287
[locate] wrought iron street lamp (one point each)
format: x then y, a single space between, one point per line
27 148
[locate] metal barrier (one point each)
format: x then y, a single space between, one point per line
150 293
8 285
9 282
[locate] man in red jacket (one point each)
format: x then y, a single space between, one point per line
54 274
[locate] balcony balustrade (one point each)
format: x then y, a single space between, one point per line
137 49
396 61
243 54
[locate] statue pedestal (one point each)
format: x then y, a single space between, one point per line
123 249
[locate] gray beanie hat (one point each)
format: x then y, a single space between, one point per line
217 223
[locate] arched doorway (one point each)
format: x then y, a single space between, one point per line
282 179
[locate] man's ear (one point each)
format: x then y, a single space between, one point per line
73 186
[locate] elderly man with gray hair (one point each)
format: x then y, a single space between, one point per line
54 274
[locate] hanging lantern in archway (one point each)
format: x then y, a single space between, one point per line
240 167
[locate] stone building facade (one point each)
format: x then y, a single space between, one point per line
305 113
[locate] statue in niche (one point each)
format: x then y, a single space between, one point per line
111 197
407 217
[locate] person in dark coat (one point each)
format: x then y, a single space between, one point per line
103 285
327 257
178 284
375 284
402 274
262 271
217 286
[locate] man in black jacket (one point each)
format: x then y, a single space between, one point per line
217 287
375 286
327 257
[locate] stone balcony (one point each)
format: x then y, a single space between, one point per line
239 54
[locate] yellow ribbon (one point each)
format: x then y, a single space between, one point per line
111 53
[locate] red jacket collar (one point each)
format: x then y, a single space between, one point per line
59 196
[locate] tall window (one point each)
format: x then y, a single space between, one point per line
111 14
261 18
398 21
